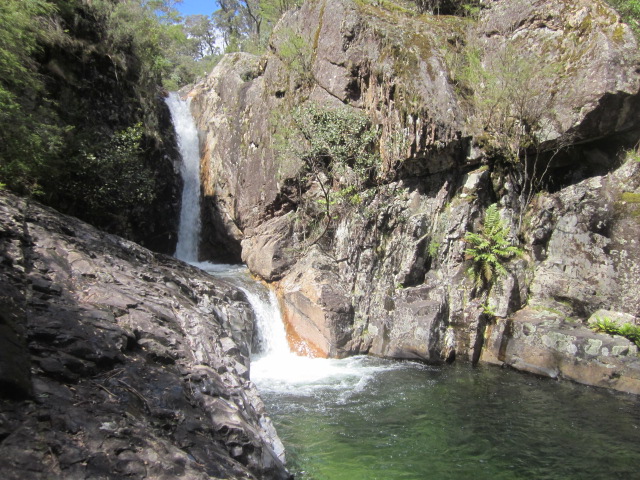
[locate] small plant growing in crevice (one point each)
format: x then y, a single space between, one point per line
489 249
607 325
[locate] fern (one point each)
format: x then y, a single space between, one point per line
608 325
489 249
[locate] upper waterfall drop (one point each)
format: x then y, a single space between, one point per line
189 146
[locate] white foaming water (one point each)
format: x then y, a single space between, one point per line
274 367
187 136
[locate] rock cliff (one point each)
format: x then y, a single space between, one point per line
118 362
384 271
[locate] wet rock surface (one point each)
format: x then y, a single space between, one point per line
117 362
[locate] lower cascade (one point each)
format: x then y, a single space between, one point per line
274 367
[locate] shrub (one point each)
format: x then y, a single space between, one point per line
110 181
337 148
29 135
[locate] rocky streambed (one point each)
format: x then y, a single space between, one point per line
117 362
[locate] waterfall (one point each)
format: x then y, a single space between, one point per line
274 367
271 338
188 143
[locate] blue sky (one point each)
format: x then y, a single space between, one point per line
193 7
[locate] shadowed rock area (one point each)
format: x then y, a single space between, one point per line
116 362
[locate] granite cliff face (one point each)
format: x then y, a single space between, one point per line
388 275
118 362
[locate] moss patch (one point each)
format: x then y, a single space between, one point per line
630 197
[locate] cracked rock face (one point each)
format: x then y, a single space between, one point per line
389 276
117 362
587 253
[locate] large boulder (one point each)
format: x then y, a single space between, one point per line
585 239
545 342
121 362
316 308
592 58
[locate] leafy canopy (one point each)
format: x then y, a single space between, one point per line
28 136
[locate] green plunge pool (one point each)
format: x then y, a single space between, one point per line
375 419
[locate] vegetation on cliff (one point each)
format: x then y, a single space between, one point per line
630 12
82 125
489 249
336 148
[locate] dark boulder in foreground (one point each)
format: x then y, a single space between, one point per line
116 362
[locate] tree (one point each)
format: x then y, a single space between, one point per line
29 131
202 31
228 21
246 24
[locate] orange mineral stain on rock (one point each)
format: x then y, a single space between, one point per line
298 341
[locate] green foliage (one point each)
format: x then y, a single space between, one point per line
29 136
489 249
633 154
179 50
79 123
508 93
488 310
336 151
297 54
433 248
341 136
245 25
607 325
110 179
629 10
630 197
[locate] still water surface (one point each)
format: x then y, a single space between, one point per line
389 420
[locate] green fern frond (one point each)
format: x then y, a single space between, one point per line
492 220
489 249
